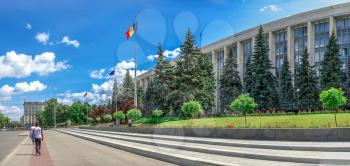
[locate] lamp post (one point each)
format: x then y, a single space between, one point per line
298 90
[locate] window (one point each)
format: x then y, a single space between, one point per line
300 43
281 50
343 36
321 40
247 55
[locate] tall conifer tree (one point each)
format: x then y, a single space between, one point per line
307 91
127 88
331 73
230 82
286 86
261 82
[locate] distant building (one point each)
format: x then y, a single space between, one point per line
30 109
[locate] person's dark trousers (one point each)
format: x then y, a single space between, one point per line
37 145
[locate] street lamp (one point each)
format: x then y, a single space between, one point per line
298 90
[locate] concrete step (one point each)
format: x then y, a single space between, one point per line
280 145
313 157
178 156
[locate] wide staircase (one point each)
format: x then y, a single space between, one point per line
212 151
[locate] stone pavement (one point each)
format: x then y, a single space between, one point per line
60 149
209 151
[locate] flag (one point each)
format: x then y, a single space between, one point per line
112 73
131 31
85 94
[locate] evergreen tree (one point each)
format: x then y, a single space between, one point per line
307 92
184 83
331 73
230 82
286 86
162 78
205 90
140 95
261 83
114 97
127 88
150 97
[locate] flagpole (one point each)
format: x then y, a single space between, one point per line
116 97
135 82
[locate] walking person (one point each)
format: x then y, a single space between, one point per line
38 137
31 133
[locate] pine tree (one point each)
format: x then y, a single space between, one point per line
205 91
140 95
230 82
127 88
307 90
150 97
261 82
286 86
162 78
114 96
184 84
331 73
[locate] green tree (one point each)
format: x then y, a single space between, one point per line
107 118
134 114
307 90
191 108
140 95
332 99
205 77
120 116
151 97
285 85
262 83
157 113
331 73
127 88
243 104
162 78
78 112
230 82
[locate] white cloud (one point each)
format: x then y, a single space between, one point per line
97 74
272 8
21 65
13 112
68 41
28 26
7 91
167 53
126 65
100 93
42 37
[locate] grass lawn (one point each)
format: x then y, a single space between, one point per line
275 121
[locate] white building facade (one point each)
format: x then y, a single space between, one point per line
30 109
286 36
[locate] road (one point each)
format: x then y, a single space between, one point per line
9 140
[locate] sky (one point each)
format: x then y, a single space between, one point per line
64 48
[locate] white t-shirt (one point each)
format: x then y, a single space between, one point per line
37 132
31 131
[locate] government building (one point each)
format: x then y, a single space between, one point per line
286 36
29 110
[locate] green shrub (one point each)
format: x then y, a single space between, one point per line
332 99
98 119
107 118
119 115
191 108
243 104
134 114
157 113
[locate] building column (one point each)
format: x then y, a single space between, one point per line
332 26
310 42
290 48
272 55
240 60
226 49
214 61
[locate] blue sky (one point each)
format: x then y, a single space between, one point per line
63 48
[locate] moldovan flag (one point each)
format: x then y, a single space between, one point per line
131 31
